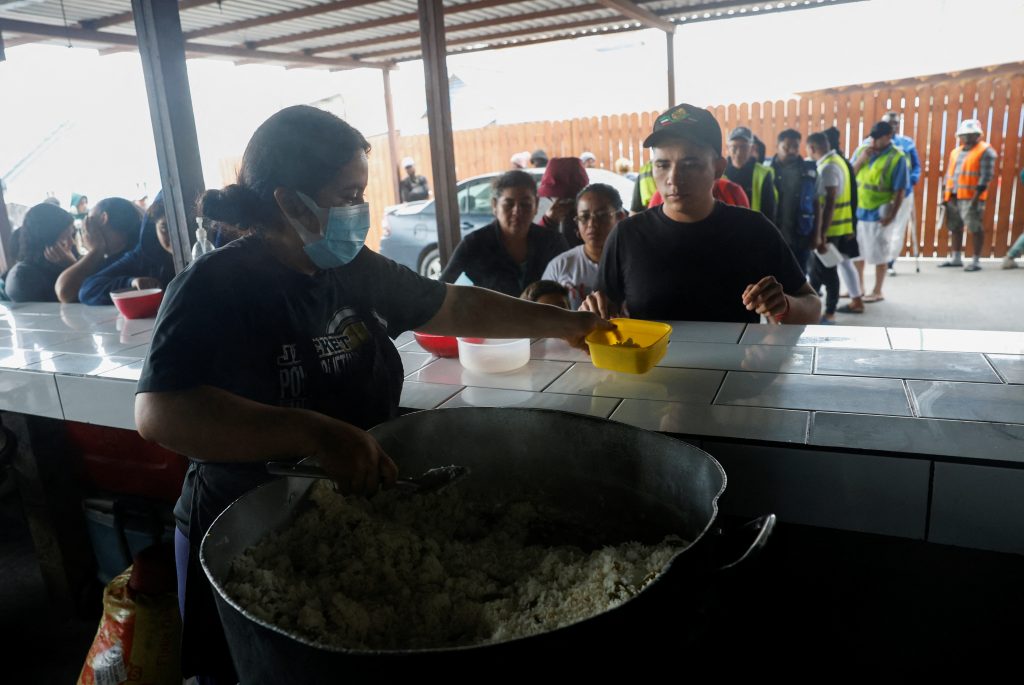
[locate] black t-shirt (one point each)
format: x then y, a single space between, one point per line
664 269
483 258
32 282
789 179
239 320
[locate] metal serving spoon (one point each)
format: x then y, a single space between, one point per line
429 481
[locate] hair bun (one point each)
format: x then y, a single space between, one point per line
233 205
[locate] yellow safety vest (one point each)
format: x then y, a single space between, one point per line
757 184
647 186
842 215
874 179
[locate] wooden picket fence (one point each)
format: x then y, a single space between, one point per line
932 108
931 113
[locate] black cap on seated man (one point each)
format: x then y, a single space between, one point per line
692 258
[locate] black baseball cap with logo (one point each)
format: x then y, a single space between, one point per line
686 122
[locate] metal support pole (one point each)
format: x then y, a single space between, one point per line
162 47
5 233
439 122
670 50
389 109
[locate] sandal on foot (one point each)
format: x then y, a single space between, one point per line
847 309
874 298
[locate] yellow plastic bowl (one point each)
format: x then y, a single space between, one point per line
651 336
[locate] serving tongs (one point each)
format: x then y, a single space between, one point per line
433 480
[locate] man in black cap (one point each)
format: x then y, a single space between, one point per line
692 258
757 180
539 159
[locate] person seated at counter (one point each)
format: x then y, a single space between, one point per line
598 209
692 258
511 252
46 248
279 344
109 230
148 265
564 178
547 292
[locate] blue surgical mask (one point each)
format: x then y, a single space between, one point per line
342 232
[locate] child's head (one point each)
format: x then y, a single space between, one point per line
547 292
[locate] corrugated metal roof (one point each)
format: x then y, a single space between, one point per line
380 31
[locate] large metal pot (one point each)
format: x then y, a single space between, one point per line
611 479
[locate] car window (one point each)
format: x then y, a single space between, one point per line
475 197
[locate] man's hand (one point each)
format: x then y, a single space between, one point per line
886 221
766 298
560 210
93 238
145 282
822 247
598 303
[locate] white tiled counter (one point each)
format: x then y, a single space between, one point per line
888 430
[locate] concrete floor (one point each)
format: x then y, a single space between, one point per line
990 299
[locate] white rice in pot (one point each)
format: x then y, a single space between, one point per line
429 571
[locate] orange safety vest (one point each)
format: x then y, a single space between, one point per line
967 182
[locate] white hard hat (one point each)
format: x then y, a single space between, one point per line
969 126
587 155
408 162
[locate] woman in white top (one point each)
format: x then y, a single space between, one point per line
598 210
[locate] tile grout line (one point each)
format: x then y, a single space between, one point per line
721 384
915 411
60 401
984 355
618 404
572 365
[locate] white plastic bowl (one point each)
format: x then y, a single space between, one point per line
494 355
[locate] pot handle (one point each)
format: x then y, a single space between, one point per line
738 545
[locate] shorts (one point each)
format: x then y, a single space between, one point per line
873 240
961 214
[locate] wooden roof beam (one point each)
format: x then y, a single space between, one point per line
451 30
376 23
635 12
505 35
265 19
195 49
126 17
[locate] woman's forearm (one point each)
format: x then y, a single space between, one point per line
208 423
477 312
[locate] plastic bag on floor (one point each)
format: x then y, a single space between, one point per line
139 638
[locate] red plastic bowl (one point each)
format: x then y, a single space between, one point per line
441 345
138 304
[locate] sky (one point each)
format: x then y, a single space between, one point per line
104 143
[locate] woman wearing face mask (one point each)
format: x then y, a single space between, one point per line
278 345
512 252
